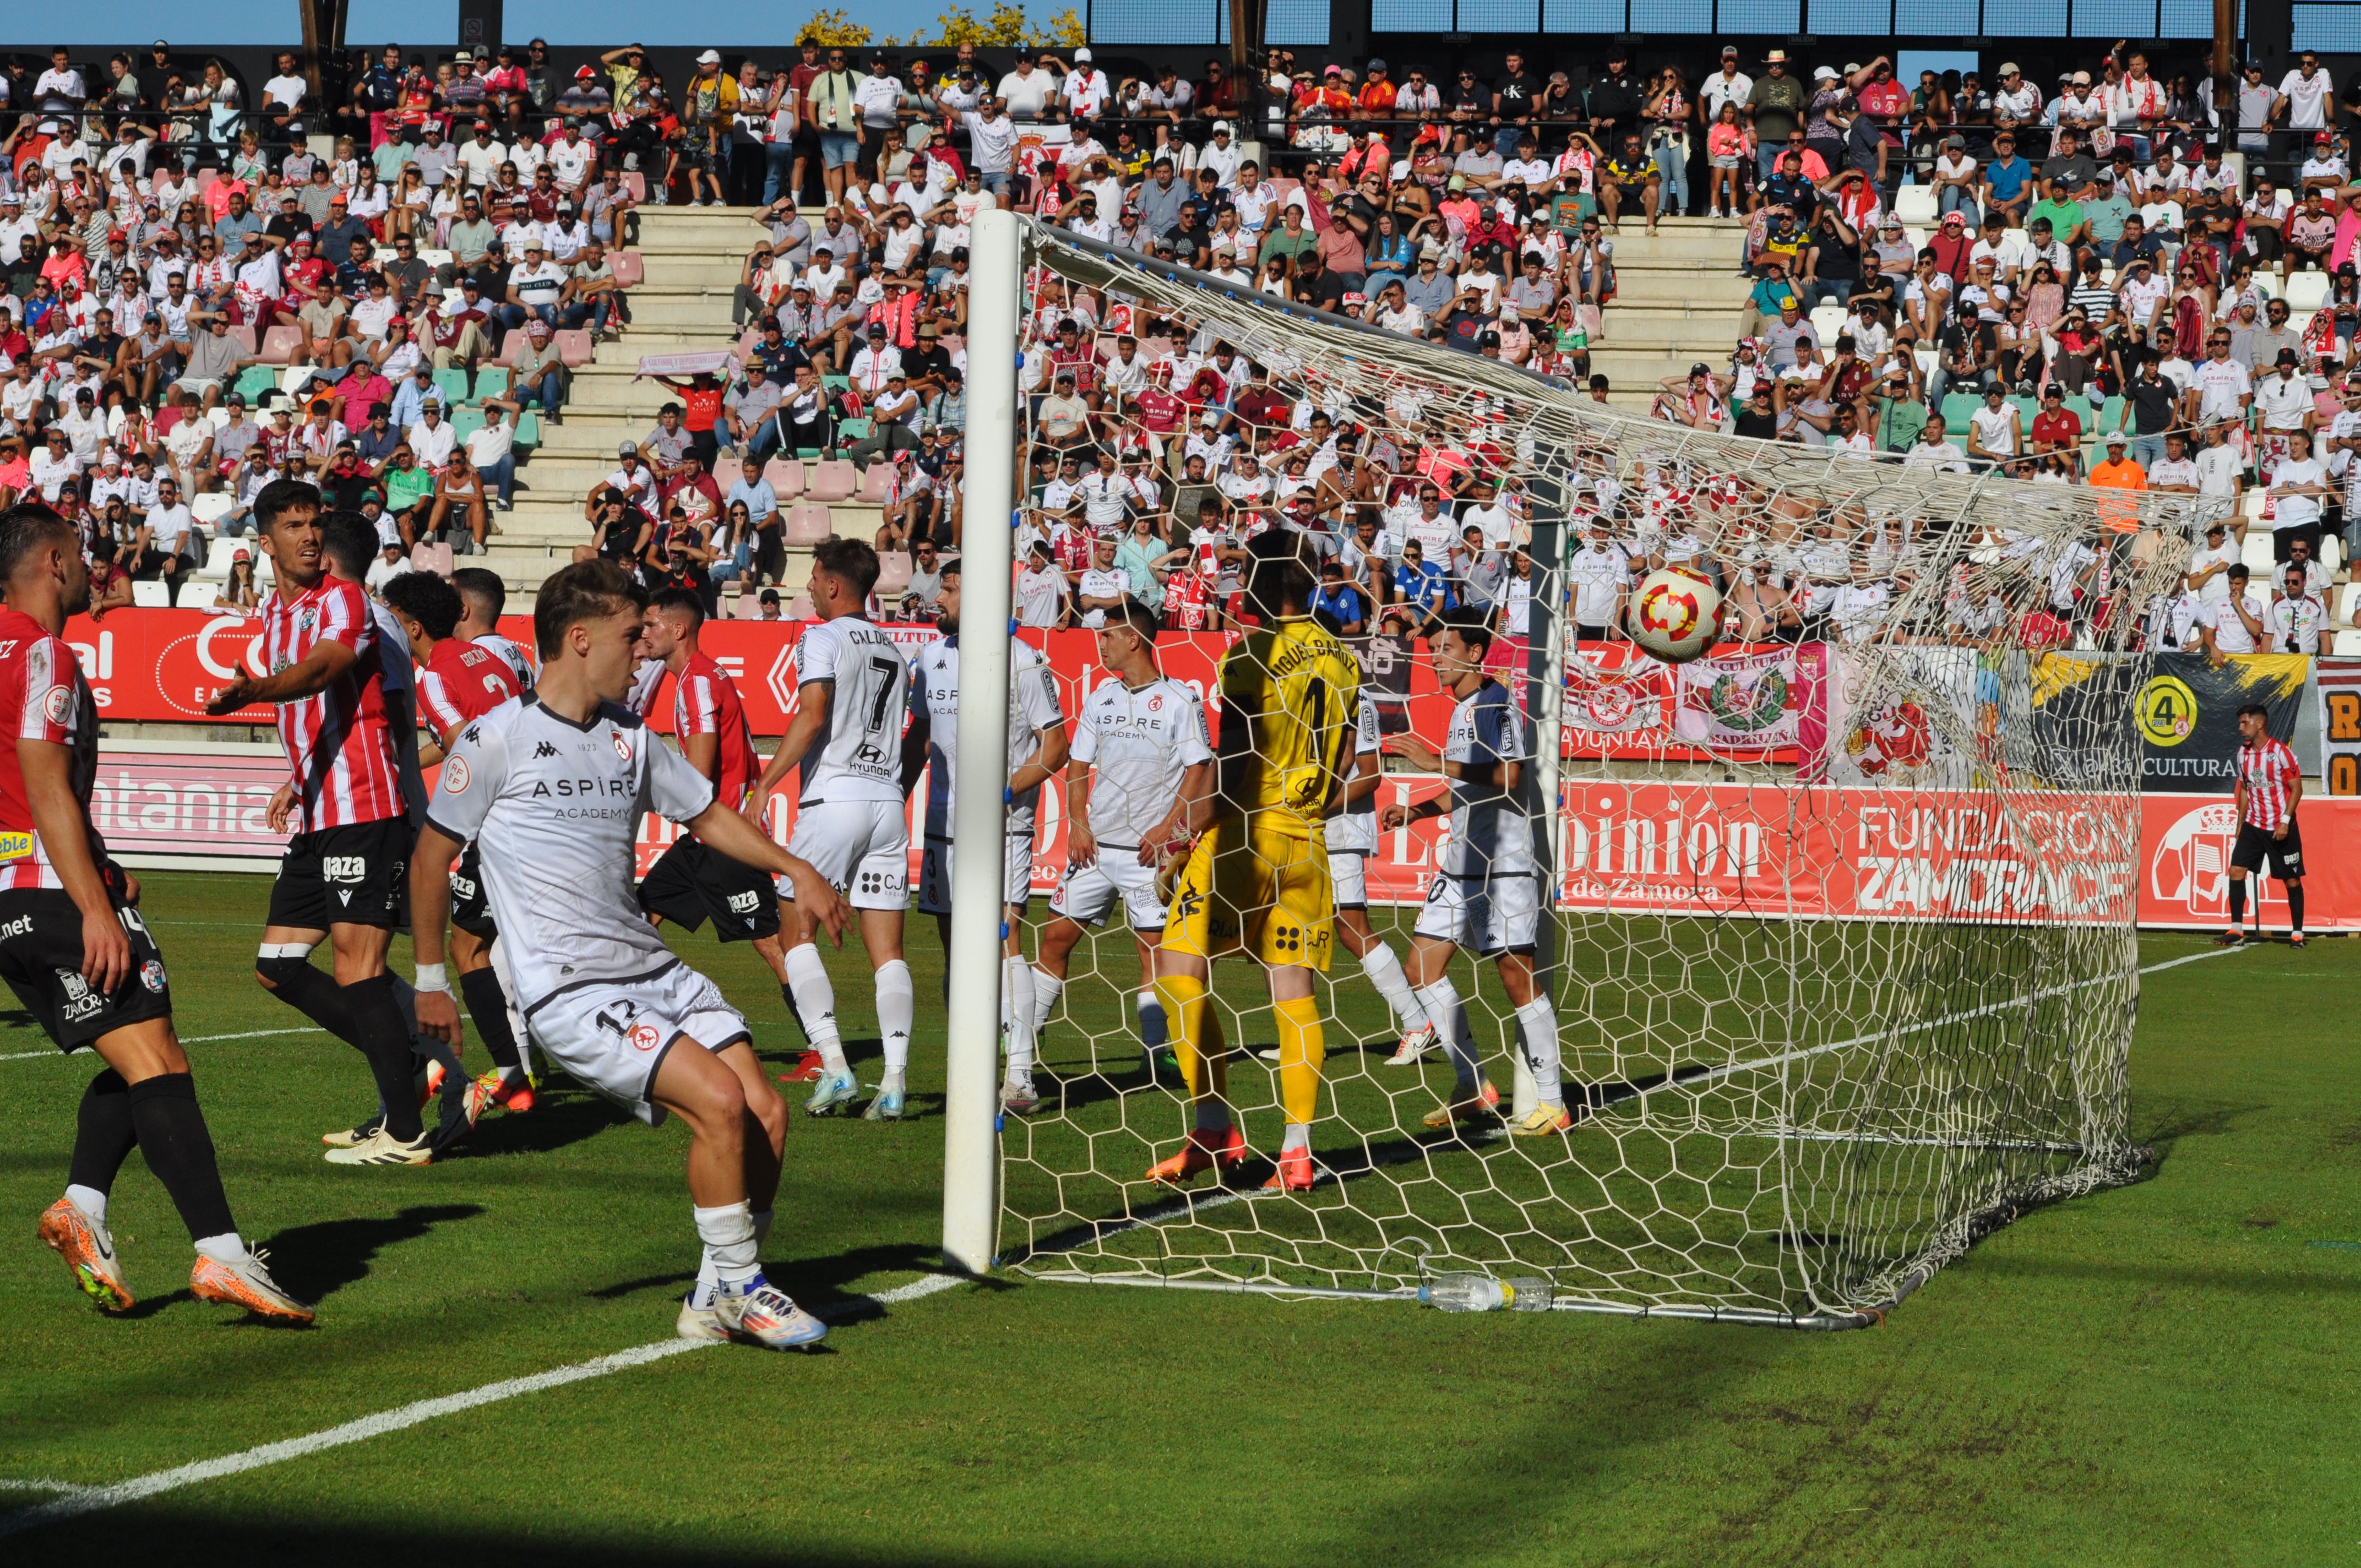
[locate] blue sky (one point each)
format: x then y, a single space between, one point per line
604 22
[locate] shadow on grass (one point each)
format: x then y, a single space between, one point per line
314 1262
2173 1119
560 1119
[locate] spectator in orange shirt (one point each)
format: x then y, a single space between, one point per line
2118 472
1376 97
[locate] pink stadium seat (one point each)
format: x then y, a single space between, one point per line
421 557
444 562
636 183
893 573
245 338
750 605
279 344
808 524
876 484
575 348
511 344
787 477
630 268
801 609
834 480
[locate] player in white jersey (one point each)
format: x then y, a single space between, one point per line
1141 757
852 699
1486 892
1352 836
484 597
550 787
1037 750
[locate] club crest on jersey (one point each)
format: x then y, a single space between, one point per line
16 846
644 1036
455 776
623 745
57 704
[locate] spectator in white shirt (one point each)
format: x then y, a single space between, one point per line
432 439
2234 624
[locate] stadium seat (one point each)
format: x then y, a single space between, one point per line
748 341
2267 285
151 596
835 383
443 560
630 268
834 481
255 381
876 484
748 606
200 594
851 429
1915 204
491 381
892 572
575 348
637 184
244 334
465 423
809 453
434 258
279 344
786 478
421 557
1826 321
1957 407
209 507
453 384
801 609
528 429
2257 553
808 524
511 344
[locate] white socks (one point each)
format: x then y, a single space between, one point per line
896 1004
1385 972
90 1200
728 1231
1297 1136
1047 989
1017 1014
708 1283
227 1247
1537 1020
1449 1016
816 1001
1152 1027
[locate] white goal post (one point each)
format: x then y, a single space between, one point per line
1831 1006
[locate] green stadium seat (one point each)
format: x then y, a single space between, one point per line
453 384
465 423
528 428
255 381
809 453
491 381
851 429
835 383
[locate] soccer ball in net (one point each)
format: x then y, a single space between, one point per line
1674 616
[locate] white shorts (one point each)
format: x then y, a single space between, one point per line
1085 893
612 1035
935 874
862 847
1348 876
1495 912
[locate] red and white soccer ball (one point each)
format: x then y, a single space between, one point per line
1674 616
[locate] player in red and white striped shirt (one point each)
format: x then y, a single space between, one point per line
693 882
2270 785
460 681
342 877
77 955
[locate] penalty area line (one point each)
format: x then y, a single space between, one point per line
186 1040
80 1501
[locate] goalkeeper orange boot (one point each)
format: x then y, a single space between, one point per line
1203 1151
1294 1173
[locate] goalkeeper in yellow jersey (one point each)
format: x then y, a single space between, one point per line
1256 881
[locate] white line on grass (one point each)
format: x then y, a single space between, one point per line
80 1501
187 1040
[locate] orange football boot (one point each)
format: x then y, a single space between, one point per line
1203 1152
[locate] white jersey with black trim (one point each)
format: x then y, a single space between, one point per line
860 756
1138 744
1353 831
554 807
1032 707
1489 833
646 682
512 654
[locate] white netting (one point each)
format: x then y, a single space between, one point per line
1841 956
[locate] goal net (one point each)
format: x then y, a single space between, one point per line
1836 922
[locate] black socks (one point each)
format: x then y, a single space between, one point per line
103 1132
487 1006
379 1032
178 1147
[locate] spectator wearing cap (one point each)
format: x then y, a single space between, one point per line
1775 107
2116 471
537 290
709 105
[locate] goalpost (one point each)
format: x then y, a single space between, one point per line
1838 933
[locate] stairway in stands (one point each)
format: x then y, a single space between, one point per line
1678 301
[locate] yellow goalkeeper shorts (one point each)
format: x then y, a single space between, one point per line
1257 891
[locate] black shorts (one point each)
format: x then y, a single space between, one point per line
2254 844
693 882
470 911
40 957
344 876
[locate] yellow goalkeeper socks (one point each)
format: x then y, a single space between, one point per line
1301 1049
1196 1044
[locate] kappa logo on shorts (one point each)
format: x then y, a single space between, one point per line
644 1036
343 868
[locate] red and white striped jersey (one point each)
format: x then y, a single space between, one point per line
43 697
339 747
2270 771
704 702
462 681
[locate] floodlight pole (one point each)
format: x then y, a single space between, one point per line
979 816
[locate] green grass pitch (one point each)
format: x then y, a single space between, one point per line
2159 1374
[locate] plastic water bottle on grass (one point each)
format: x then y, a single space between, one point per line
1482 1293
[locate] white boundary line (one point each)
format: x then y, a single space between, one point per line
95 1499
189 1040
